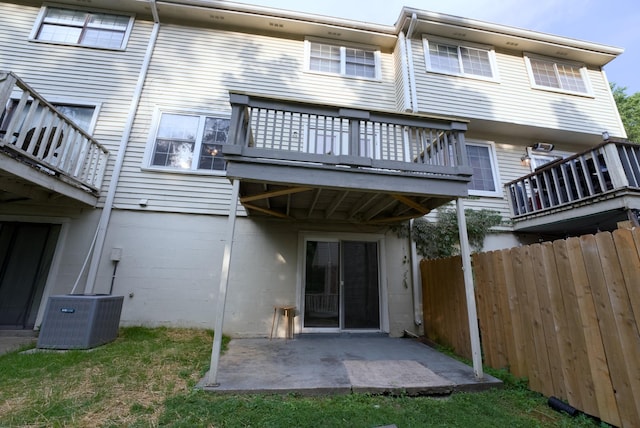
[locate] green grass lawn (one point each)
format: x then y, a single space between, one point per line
147 377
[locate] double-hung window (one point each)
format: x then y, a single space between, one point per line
451 57
482 159
82 115
189 142
83 28
549 74
350 61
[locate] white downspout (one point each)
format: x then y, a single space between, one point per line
412 104
411 75
404 67
416 279
117 168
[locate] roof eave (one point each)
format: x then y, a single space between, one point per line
592 53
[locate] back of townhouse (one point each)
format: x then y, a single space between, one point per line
152 81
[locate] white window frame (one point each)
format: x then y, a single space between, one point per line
493 159
540 159
304 237
59 102
67 102
343 47
583 73
43 13
426 39
151 141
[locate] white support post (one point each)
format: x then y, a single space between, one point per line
465 252
212 378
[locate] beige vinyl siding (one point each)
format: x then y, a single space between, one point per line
193 69
75 74
512 100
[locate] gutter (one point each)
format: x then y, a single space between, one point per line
286 14
507 31
105 216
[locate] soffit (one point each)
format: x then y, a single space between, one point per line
251 19
277 23
506 38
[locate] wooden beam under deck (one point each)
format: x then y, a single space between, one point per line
336 202
391 220
274 194
411 203
267 211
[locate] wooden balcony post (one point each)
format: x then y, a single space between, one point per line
614 166
238 128
212 376
461 148
472 312
458 129
354 116
7 83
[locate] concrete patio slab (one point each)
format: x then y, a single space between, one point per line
342 364
10 340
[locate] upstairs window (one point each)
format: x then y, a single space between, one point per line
550 74
350 61
447 56
83 28
189 142
84 116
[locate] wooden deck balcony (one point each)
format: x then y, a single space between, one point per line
43 154
303 161
595 188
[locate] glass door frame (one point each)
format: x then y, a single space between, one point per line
58 252
303 238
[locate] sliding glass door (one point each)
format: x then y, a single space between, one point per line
341 285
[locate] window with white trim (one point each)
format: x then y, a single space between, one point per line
450 57
482 159
550 74
350 61
83 28
189 142
538 160
84 116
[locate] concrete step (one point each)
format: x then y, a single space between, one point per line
17 333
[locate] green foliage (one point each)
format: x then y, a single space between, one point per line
629 108
441 238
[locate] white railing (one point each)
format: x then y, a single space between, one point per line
322 303
601 171
34 131
290 130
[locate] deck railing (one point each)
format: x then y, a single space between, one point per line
33 131
304 132
601 171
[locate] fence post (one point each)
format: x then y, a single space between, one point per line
472 313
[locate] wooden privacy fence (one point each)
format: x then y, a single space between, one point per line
563 314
